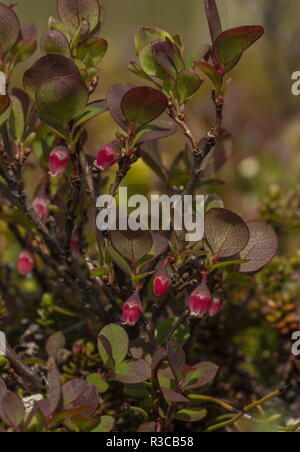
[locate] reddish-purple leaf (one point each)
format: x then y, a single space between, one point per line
54 41
226 232
168 56
143 104
114 98
89 398
156 131
261 248
133 371
231 44
158 356
9 28
12 409
149 427
213 19
62 98
72 390
176 358
72 12
200 375
54 387
47 67
173 396
4 103
55 343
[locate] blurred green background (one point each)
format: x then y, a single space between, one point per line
260 111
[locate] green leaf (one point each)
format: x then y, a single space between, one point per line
200 375
23 50
149 63
16 120
92 51
82 423
226 232
58 128
146 35
119 260
181 335
133 371
215 77
91 111
106 425
143 104
191 415
227 263
118 341
54 41
9 28
48 67
73 12
132 245
234 279
261 248
98 381
62 98
187 84
231 44
197 55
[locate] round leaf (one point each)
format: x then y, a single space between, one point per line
226 232
62 98
54 41
98 381
261 248
132 245
47 67
143 104
9 28
73 12
118 341
231 44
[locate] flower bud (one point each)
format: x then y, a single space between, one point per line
161 283
41 206
200 300
132 310
216 305
58 161
108 155
25 263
